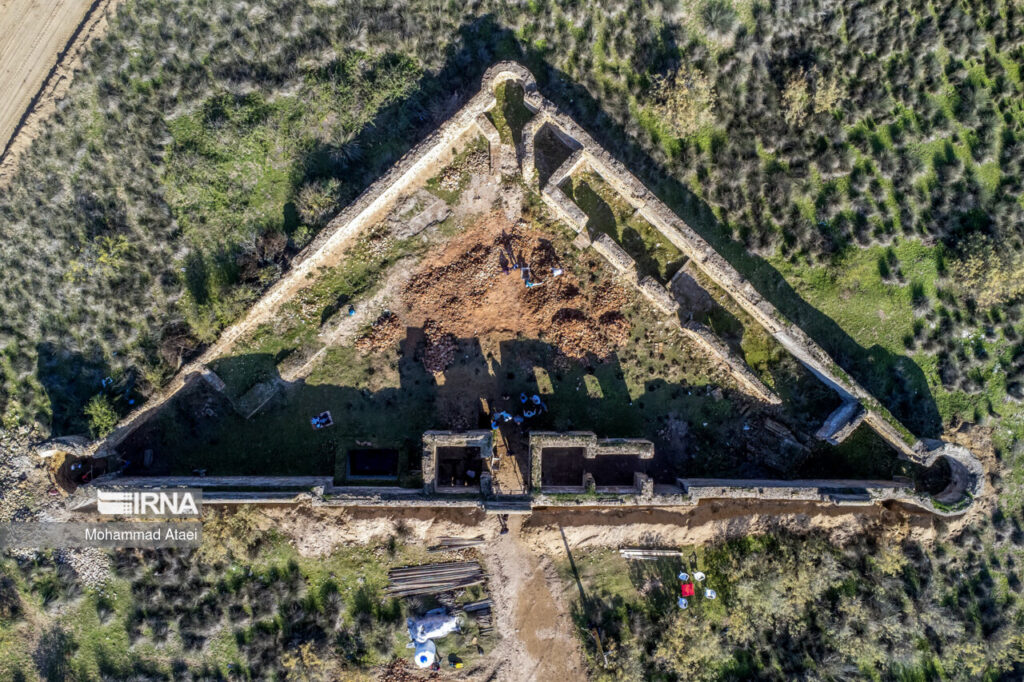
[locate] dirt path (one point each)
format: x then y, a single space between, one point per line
41 44
538 639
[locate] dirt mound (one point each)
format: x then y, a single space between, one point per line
500 278
384 334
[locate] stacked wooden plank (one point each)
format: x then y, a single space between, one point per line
448 544
642 553
481 611
433 578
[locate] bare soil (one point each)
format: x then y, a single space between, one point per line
41 43
475 286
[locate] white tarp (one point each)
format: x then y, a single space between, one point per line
433 625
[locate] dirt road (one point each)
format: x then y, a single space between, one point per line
41 42
530 609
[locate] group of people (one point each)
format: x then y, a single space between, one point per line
532 406
510 261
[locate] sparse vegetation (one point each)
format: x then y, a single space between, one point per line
250 609
685 100
860 163
101 414
796 606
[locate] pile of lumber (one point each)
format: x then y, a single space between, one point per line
643 553
433 578
447 544
481 611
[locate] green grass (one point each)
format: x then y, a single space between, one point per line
236 164
509 115
854 295
610 214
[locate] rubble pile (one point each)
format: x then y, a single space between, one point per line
384 334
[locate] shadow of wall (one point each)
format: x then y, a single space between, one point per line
695 434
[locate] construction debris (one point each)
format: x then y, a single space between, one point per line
644 554
481 611
433 578
447 544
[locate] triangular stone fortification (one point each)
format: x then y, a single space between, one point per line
434 152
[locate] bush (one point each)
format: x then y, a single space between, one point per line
685 101
102 415
317 200
795 99
718 17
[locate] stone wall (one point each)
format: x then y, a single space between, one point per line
431 155
841 492
843 421
432 440
737 368
721 272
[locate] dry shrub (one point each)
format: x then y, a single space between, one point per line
988 273
796 97
317 200
230 533
828 94
685 101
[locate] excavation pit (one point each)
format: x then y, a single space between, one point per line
562 466
372 465
459 467
613 470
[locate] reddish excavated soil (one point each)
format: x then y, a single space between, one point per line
470 289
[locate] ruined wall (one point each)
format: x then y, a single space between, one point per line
656 294
430 156
432 440
712 264
592 447
415 167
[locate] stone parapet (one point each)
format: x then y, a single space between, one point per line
614 254
843 421
568 167
735 366
658 296
565 208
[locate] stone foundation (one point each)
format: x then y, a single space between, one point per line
432 440
432 154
